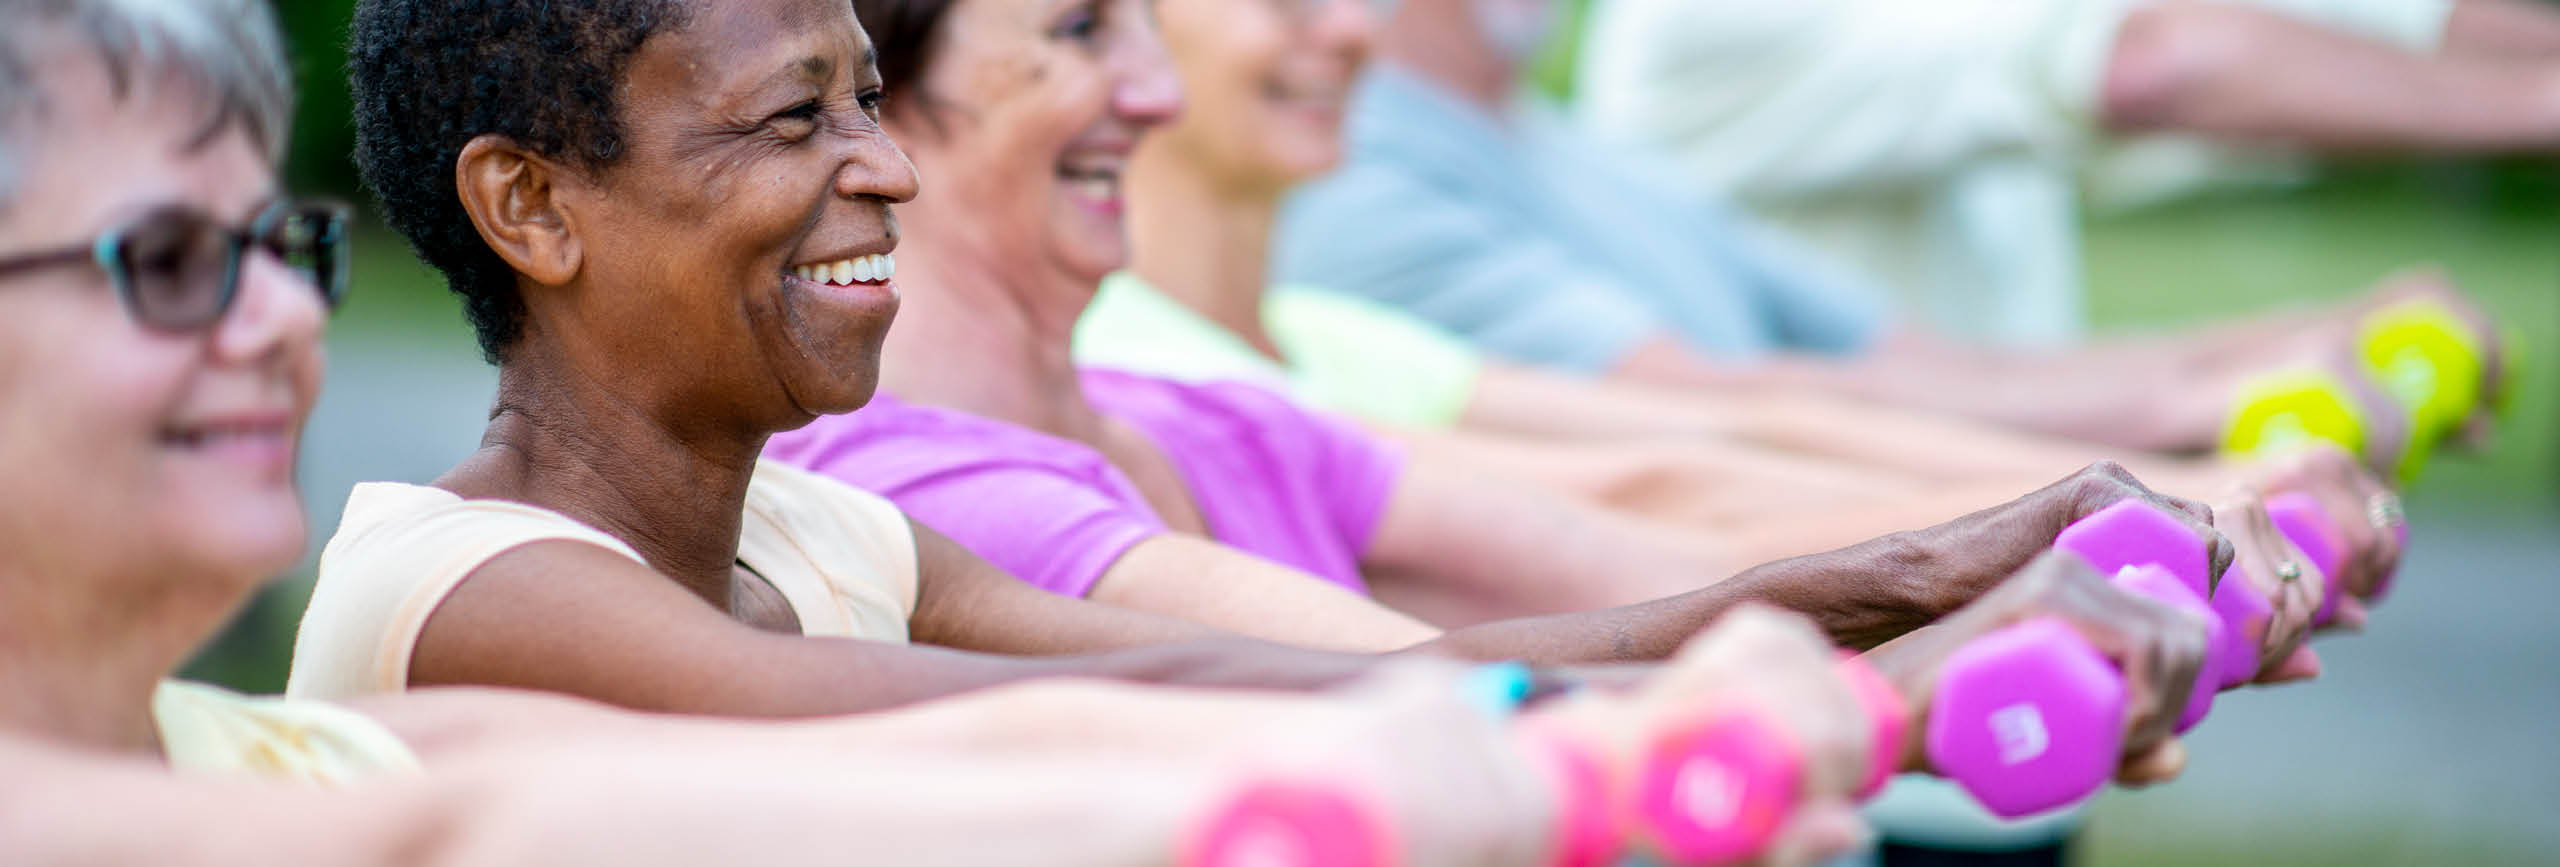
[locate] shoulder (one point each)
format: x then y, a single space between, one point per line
398 552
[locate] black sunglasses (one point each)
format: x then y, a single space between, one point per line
177 268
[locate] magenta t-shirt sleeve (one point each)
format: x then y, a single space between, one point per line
1028 503
1353 472
1360 470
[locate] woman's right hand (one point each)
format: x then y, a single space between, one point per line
1931 572
1771 666
2160 650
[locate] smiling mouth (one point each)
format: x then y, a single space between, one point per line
260 443
874 268
1093 178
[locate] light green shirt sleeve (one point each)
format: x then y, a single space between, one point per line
1372 362
1344 354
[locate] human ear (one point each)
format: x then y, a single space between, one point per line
512 198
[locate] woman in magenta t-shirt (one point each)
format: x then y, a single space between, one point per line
1226 504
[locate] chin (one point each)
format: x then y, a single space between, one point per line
257 536
834 382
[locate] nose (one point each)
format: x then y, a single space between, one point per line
1145 89
278 312
877 167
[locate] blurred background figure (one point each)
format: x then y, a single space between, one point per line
1942 146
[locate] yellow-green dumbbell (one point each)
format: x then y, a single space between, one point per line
2288 409
2427 359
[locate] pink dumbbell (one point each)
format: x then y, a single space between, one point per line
2133 533
1886 709
1589 831
2298 516
1715 789
2027 718
1290 823
2031 717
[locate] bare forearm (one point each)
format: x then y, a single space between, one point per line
2236 71
2521 29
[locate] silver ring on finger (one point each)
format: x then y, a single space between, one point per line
2384 511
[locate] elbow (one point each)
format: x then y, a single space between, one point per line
2165 58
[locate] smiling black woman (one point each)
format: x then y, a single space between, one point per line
635 200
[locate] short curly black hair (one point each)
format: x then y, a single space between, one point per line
428 76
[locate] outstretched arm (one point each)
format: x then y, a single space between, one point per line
2235 70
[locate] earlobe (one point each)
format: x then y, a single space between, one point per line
512 198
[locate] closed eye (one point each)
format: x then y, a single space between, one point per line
807 110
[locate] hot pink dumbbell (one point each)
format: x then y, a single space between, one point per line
1589 831
1715 789
1885 708
1291 823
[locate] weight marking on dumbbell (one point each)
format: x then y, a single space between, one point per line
2020 731
1708 792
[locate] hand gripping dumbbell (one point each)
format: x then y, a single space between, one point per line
2030 717
2422 355
2299 517
2122 539
1705 789
2285 410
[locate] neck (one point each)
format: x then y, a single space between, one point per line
571 443
1438 41
1205 245
82 671
976 339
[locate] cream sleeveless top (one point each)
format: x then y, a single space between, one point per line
214 731
843 558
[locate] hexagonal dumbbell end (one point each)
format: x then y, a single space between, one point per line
1290 823
2027 718
2284 410
2135 533
1716 789
2425 357
2299 517
1886 709
2157 583
2245 614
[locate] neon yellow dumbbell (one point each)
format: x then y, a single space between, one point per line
2288 409
2428 360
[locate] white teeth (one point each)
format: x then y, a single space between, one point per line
874 268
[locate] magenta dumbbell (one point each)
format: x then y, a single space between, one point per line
1715 789
2299 517
1290 823
2157 583
2244 612
2133 533
2027 718
1589 831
